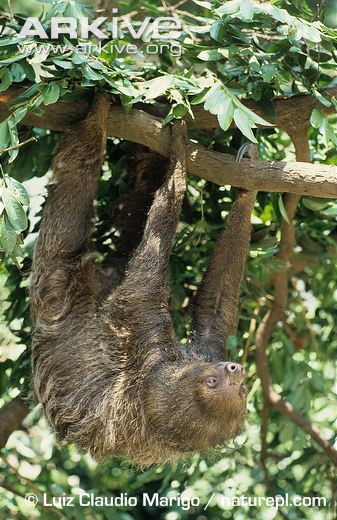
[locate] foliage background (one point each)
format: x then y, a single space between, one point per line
302 356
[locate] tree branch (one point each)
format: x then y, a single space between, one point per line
11 417
10 148
296 177
142 128
276 314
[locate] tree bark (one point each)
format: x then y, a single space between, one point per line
142 128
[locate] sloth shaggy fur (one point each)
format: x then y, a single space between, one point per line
108 370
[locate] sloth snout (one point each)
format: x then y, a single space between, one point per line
234 367
233 370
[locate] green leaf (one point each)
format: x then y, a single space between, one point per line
254 119
157 87
321 98
316 117
218 31
18 72
180 110
327 132
17 116
96 65
4 135
269 72
78 59
18 56
8 236
311 33
211 55
51 93
243 122
16 261
330 212
63 64
221 102
89 73
15 212
282 209
225 114
206 5
18 250
246 11
27 93
334 102
315 204
200 98
215 98
5 79
17 189
168 118
13 141
265 248
229 8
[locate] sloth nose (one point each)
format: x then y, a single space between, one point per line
232 368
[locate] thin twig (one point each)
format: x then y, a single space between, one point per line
10 148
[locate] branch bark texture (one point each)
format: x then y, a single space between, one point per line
145 129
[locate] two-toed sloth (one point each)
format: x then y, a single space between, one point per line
108 368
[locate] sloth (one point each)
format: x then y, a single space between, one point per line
107 367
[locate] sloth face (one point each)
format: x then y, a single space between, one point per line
199 406
220 377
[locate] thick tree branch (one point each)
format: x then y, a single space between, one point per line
300 178
11 417
147 130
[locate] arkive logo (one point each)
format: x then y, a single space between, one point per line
161 28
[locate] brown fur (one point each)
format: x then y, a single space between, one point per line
108 369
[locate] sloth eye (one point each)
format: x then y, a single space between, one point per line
211 382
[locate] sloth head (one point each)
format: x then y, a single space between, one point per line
198 406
